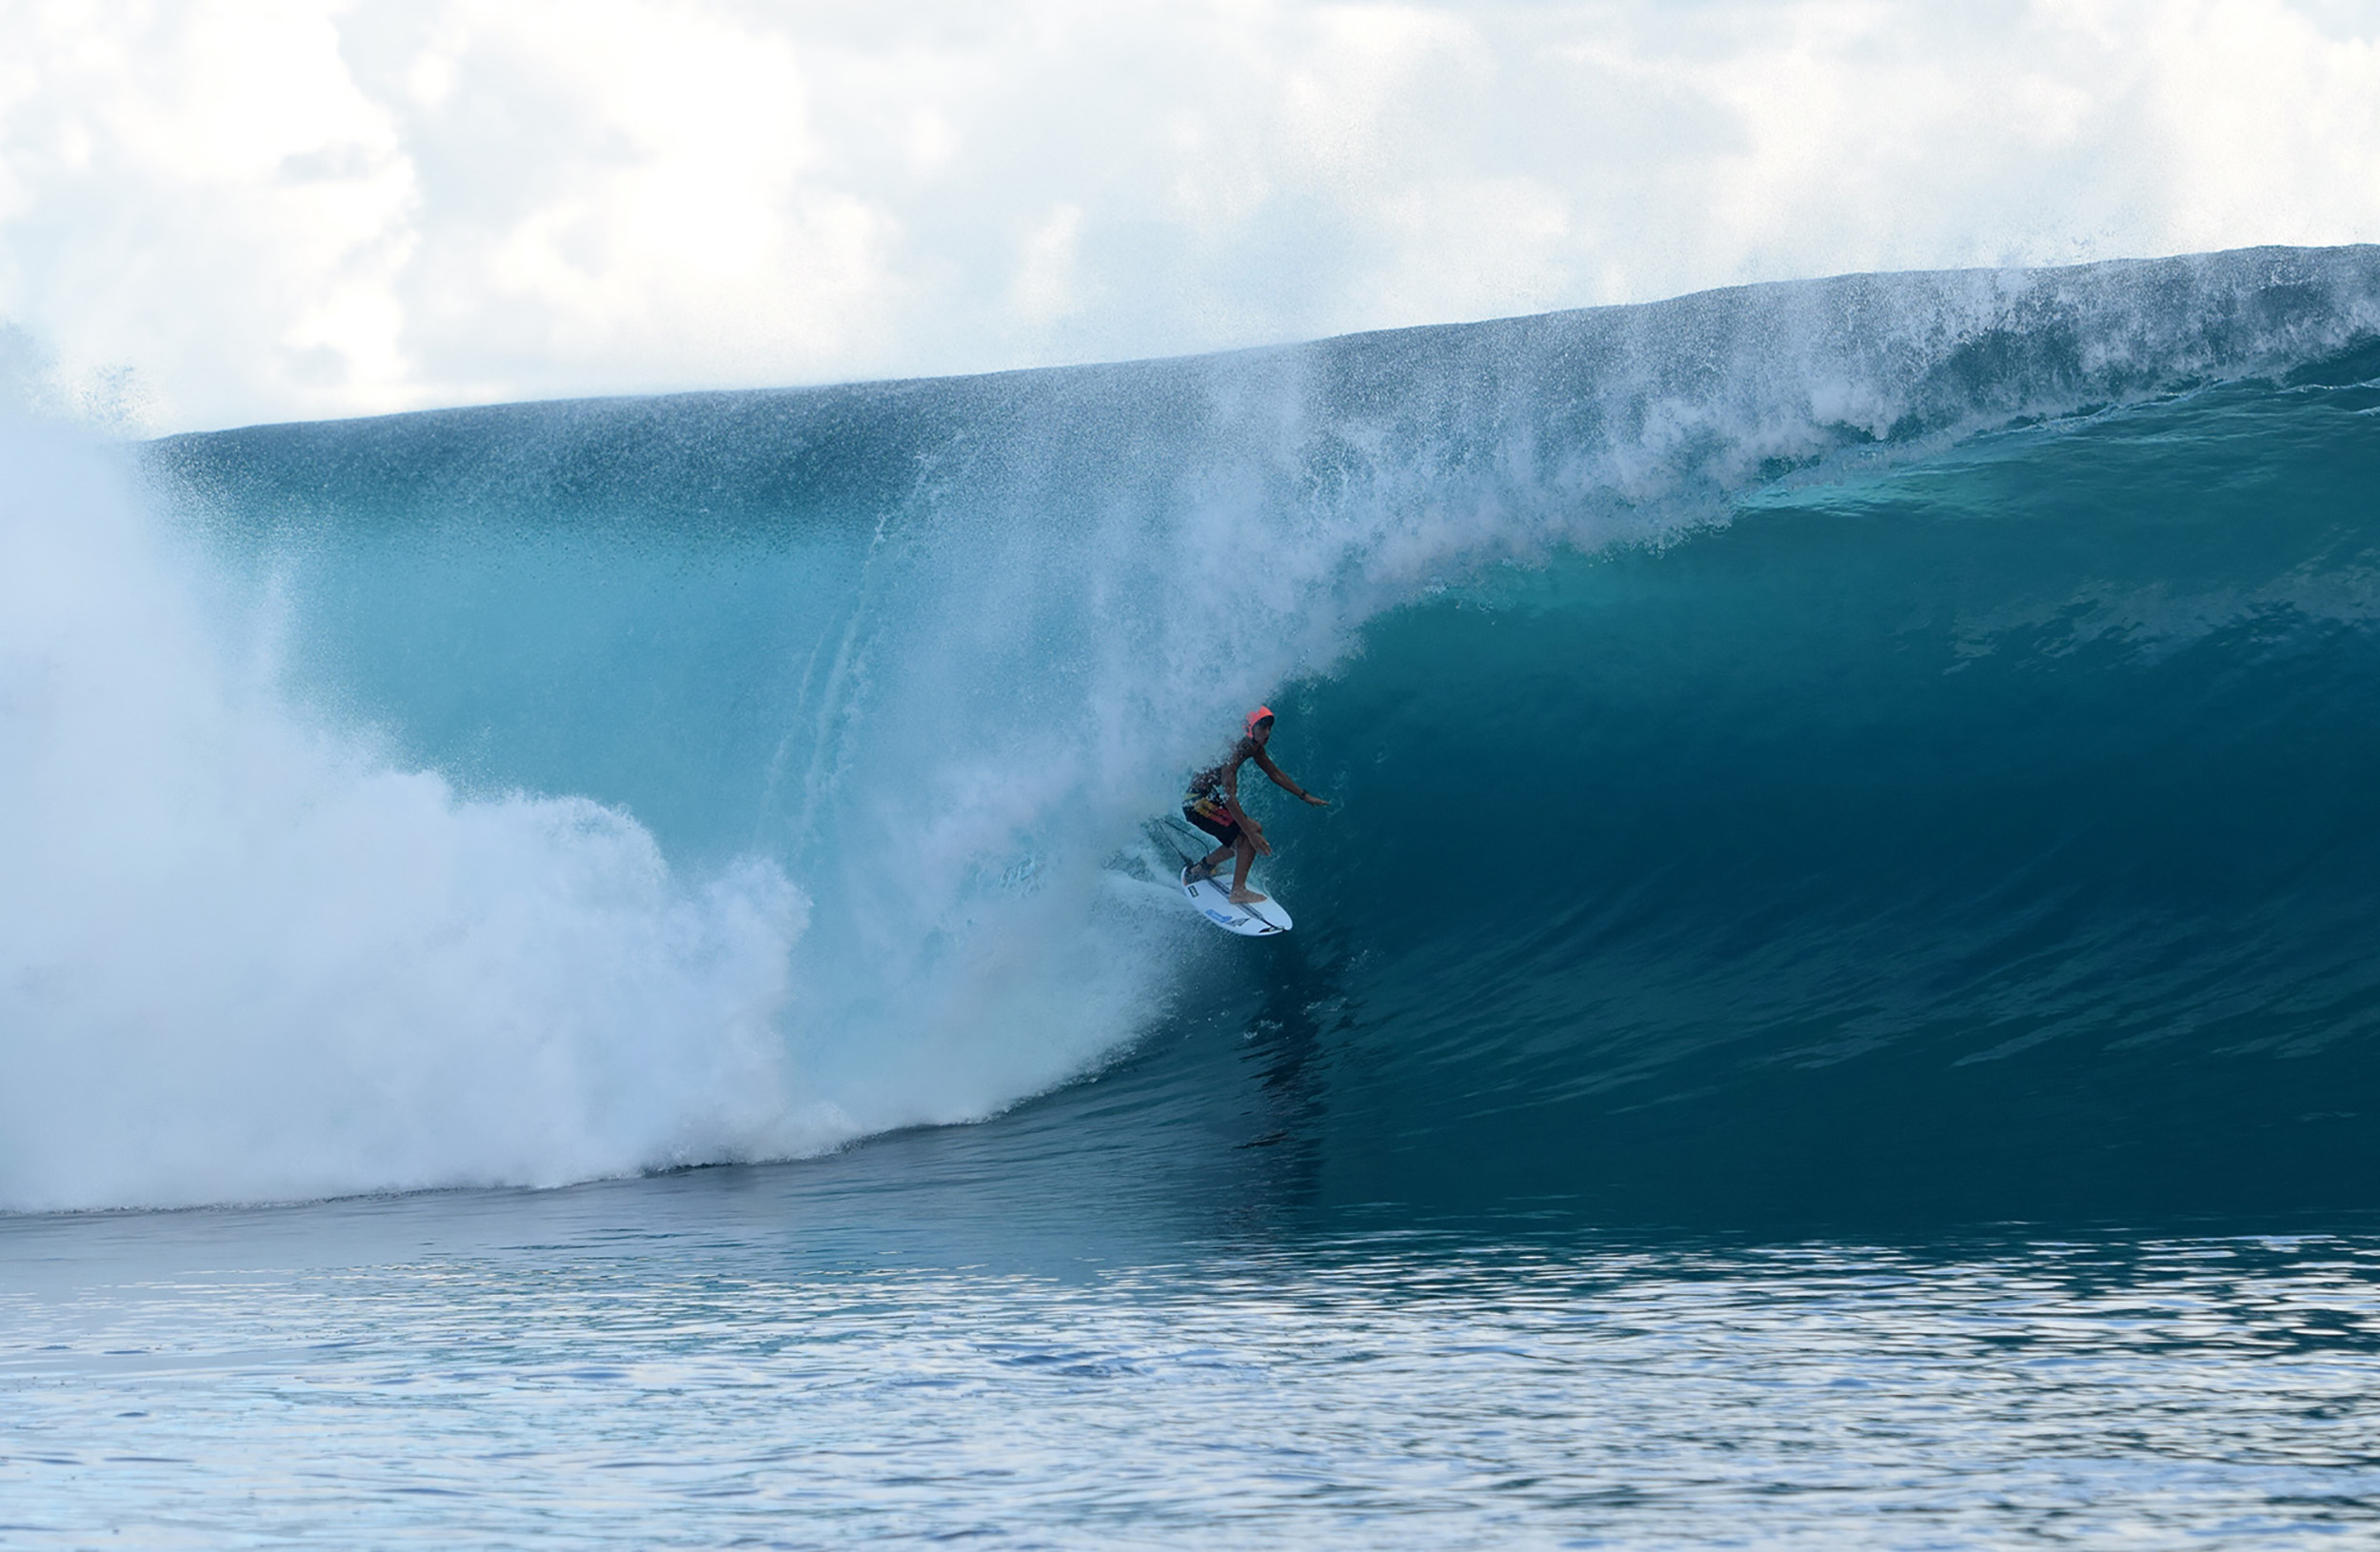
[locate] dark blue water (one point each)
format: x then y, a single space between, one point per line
1995 837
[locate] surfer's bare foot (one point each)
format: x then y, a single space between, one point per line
1245 897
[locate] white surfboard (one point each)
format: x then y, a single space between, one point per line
1212 899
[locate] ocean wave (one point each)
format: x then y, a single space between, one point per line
1699 787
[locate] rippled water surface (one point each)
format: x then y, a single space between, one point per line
795 1356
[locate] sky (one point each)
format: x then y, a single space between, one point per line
221 213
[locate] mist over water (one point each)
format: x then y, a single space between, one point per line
247 956
530 794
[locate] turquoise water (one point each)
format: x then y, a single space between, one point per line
1833 1004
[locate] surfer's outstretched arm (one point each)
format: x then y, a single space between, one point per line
1280 779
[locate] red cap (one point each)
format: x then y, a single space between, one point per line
1262 714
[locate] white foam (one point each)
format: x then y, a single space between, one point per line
241 958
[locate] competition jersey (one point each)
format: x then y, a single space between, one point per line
1205 793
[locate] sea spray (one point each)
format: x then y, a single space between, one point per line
243 956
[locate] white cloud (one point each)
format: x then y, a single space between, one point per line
1048 284
293 208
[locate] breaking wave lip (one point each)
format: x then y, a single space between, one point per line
979 650
1623 407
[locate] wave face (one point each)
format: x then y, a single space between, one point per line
1890 739
1995 836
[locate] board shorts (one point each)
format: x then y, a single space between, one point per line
1211 816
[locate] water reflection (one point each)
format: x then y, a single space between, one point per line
795 1357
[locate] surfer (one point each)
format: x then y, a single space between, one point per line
1213 805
